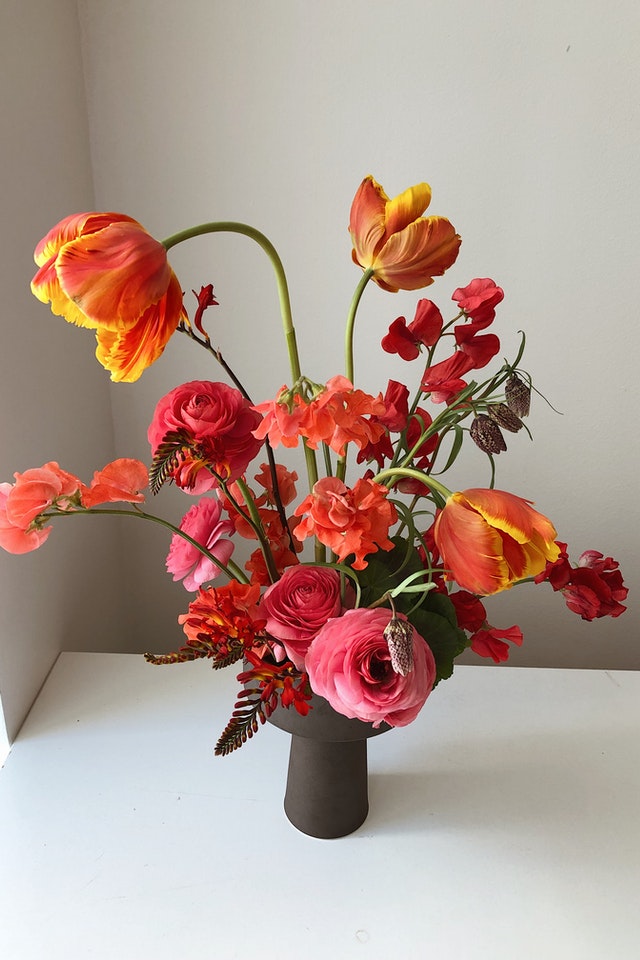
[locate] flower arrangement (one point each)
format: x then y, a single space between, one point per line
392 595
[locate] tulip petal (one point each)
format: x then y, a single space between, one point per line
128 352
114 274
367 221
407 207
514 516
482 569
411 259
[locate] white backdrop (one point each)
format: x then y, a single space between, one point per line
523 117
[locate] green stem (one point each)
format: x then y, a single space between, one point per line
231 569
231 226
351 319
256 523
424 478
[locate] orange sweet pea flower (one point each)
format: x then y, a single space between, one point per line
105 272
121 480
489 539
391 237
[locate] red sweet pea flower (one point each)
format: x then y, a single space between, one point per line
423 330
487 643
489 539
404 250
479 300
105 272
348 521
592 589
443 380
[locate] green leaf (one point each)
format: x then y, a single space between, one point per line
436 623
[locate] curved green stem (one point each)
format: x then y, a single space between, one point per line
428 481
351 319
230 568
231 226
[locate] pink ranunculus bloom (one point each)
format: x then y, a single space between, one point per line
202 523
14 538
299 604
39 488
219 420
120 481
349 664
479 299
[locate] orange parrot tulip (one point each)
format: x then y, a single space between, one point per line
105 272
391 237
489 539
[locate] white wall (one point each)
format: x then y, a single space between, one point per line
53 405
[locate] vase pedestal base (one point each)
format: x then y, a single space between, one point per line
327 793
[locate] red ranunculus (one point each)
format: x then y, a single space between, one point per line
349 664
299 604
219 420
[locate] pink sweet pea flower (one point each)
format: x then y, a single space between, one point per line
38 489
202 522
14 538
349 664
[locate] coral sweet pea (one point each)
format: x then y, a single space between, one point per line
105 272
404 250
489 539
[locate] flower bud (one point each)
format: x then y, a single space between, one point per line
518 395
486 433
505 417
399 636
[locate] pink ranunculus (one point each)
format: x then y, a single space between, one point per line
299 604
203 524
15 538
39 488
219 420
349 664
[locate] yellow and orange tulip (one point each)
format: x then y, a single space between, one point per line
404 250
489 539
105 272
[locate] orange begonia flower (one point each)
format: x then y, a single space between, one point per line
105 272
489 539
391 237
348 521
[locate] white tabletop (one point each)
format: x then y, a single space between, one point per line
503 825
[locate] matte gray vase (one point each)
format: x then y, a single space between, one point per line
327 781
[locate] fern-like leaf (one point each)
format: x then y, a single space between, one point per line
168 457
250 711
